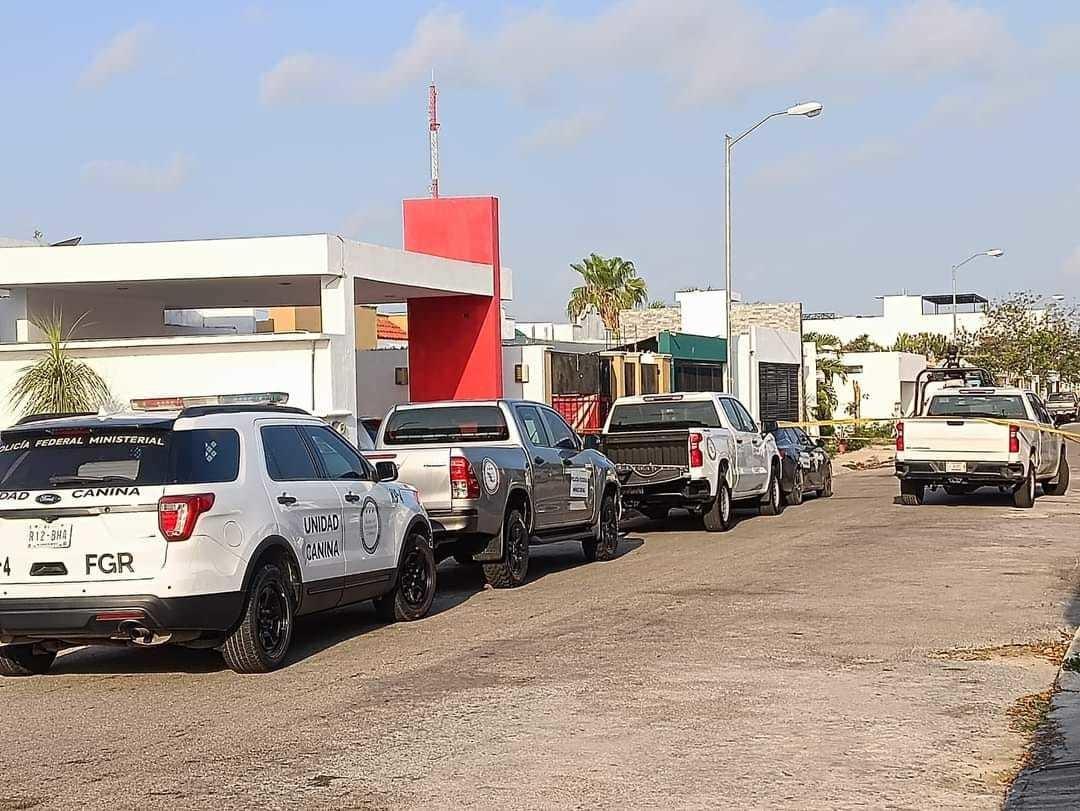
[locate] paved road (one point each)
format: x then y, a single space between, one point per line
788 663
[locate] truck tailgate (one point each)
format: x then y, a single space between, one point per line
658 448
959 439
426 469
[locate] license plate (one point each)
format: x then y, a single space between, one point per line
956 467
49 536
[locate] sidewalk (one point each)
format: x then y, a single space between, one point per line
1055 782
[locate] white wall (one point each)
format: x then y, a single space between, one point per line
376 391
761 345
703 312
886 382
184 367
535 357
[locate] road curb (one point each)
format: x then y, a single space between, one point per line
1068 679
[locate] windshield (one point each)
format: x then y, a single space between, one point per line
978 405
71 458
421 426
662 415
1061 397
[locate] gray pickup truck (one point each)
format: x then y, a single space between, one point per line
498 475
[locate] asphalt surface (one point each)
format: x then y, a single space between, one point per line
805 661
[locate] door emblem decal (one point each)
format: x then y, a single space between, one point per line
370 526
491 476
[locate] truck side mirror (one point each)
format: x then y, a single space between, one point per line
387 471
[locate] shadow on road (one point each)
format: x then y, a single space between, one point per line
319 632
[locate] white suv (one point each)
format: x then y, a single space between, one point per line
213 526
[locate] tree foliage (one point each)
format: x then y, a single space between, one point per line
1022 338
862 343
930 344
58 382
609 287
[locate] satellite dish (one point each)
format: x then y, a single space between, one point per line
67 242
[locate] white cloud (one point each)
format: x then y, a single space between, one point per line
705 50
139 177
122 54
561 133
806 167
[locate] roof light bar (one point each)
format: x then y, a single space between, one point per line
179 403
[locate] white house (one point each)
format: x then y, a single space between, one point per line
133 295
903 313
883 381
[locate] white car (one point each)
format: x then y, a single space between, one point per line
702 451
972 437
214 526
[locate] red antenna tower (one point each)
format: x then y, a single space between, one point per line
433 134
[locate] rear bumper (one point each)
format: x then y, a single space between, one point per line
978 473
463 521
674 493
81 617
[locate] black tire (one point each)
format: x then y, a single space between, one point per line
414 587
607 545
22 660
720 516
826 490
772 503
794 496
912 494
1023 495
510 572
261 640
1060 485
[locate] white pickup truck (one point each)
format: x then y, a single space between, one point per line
702 451
978 437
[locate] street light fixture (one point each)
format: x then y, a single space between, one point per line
808 109
995 252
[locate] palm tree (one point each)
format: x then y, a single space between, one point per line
611 286
58 383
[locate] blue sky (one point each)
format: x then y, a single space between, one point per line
949 127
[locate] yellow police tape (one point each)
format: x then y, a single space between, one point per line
1073 436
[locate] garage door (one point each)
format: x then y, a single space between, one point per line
778 385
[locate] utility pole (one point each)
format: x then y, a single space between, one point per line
433 134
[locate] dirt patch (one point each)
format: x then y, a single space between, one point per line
1028 717
1052 651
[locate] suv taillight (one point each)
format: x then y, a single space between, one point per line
696 459
899 436
177 514
1014 439
463 482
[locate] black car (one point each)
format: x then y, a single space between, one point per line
807 467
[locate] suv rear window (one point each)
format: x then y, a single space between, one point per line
422 426
118 456
662 415
978 405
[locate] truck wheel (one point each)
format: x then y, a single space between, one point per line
719 517
604 547
510 572
1060 485
22 660
261 640
1024 494
411 597
912 493
795 496
772 503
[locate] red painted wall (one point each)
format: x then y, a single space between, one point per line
455 342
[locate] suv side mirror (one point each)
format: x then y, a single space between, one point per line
768 426
568 443
820 442
387 471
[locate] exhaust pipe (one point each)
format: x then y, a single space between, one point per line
141 635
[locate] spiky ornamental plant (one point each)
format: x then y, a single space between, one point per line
58 383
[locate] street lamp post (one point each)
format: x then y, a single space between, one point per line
808 109
995 252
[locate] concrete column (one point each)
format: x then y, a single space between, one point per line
335 362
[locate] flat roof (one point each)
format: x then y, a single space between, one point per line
961 298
